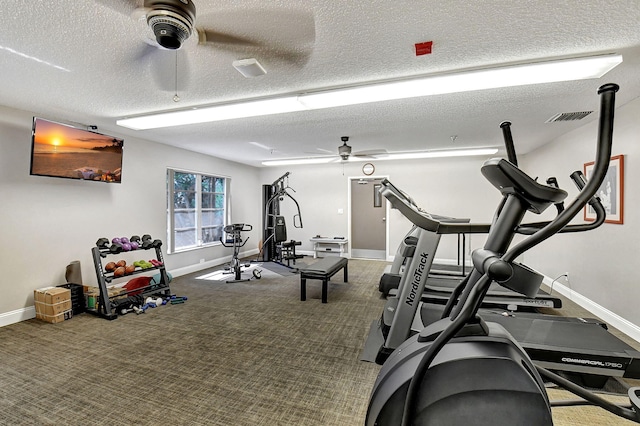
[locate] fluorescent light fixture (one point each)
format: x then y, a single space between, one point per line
393 156
249 67
491 78
213 113
317 160
440 154
509 76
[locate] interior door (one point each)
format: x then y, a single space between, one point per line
368 219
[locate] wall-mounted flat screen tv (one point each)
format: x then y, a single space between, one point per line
60 150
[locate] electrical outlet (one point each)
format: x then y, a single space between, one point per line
201 260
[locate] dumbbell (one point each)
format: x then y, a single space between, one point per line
102 243
135 242
146 241
115 248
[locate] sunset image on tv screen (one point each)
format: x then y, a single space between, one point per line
63 151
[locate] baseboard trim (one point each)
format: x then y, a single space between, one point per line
611 318
8 318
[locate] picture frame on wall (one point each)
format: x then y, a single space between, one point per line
611 192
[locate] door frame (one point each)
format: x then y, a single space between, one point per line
350 212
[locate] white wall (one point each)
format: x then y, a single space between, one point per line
601 263
451 187
49 222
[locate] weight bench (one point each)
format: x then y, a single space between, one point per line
322 270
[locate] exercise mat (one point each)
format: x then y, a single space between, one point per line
73 274
283 270
247 272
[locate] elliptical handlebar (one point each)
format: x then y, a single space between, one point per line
603 154
594 202
491 258
508 142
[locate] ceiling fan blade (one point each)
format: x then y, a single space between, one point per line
252 47
294 56
144 51
140 13
167 75
206 36
373 153
326 151
266 34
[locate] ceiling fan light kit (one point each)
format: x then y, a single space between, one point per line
490 78
171 21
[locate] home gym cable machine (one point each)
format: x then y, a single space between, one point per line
275 247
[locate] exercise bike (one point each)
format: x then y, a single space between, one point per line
234 240
462 370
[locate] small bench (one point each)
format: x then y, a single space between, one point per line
323 270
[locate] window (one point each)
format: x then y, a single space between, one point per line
197 210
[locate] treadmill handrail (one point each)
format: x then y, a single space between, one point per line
425 220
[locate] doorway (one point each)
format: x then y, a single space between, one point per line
368 220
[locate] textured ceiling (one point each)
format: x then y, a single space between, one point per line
91 62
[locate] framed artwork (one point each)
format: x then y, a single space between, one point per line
611 192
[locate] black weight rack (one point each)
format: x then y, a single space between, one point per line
107 307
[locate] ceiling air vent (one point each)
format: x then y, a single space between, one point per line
568 116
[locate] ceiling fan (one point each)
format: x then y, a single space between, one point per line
345 151
173 22
261 33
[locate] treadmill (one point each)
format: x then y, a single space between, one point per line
578 347
438 289
581 348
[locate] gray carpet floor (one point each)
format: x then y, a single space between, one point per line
247 353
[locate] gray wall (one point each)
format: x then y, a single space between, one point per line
49 222
600 263
448 186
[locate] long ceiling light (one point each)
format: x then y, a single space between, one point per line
390 156
440 154
492 78
316 160
508 76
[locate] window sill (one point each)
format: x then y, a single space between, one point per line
194 248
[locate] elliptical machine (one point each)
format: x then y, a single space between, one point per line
234 240
462 370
